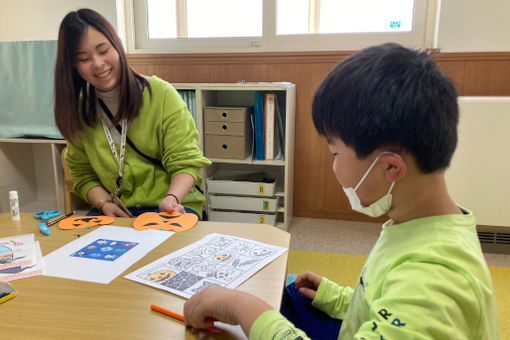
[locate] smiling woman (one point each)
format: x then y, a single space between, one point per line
102 104
98 62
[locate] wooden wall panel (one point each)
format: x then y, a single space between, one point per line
316 191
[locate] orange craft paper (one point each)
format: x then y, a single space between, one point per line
172 221
78 222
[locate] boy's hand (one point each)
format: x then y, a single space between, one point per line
225 305
169 204
308 283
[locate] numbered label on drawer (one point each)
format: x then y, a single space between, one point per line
262 190
262 219
265 205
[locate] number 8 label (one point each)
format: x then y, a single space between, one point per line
261 189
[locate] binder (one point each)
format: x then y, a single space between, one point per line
280 119
259 126
269 126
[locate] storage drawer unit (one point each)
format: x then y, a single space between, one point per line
262 204
239 196
228 132
242 217
220 184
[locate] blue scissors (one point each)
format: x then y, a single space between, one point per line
45 215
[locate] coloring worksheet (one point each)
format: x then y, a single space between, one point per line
216 259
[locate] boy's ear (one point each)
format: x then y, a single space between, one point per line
395 166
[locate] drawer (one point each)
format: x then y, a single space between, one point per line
241 217
261 204
222 183
228 147
227 128
227 114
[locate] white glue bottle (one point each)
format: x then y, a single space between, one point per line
13 199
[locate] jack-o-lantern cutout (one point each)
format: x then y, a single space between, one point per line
77 222
172 221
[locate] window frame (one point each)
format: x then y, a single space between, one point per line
423 35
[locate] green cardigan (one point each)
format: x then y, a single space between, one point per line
163 130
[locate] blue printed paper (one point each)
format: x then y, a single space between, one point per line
106 250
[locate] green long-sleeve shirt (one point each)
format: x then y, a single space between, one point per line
424 279
163 130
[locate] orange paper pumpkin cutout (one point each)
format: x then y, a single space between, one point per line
172 221
77 222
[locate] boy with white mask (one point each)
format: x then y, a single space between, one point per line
390 118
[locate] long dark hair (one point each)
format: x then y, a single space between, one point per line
69 86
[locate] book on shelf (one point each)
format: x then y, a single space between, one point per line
189 98
258 119
280 128
269 126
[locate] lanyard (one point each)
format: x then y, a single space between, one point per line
122 151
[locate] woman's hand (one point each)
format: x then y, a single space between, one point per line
169 203
113 210
307 283
226 305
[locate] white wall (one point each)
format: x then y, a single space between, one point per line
40 19
474 25
22 20
478 174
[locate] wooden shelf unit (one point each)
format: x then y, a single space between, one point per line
243 94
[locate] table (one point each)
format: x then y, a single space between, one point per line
54 308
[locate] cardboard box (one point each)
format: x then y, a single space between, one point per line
227 114
227 129
228 132
227 147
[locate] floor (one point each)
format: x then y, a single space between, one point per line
346 237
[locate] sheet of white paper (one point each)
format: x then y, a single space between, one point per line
103 254
216 259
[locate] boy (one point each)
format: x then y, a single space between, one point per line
390 118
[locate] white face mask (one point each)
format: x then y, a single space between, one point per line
379 207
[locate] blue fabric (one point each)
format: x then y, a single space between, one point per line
26 96
298 309
137 212
290 278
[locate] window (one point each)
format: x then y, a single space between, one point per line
276 25
344 16
204 18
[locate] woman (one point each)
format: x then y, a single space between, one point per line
131 139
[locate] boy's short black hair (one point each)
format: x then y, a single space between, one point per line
390 96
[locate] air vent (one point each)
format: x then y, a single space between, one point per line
493 237
495 240
486 237
502 238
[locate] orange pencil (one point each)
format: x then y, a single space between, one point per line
179 317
